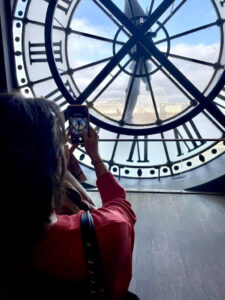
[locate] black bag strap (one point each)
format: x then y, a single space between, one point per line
94 261
93 257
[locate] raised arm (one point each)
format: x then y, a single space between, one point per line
91 146
112 193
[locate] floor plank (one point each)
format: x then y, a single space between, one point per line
179 249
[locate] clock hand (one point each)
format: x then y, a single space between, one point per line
132 92
150 89
132 11
135 13
134 84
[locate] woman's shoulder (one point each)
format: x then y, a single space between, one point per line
107 223
102 217
61 248
110 225
109 217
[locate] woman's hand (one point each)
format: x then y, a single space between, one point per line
73 176
72 163
91 144
91 147
68 139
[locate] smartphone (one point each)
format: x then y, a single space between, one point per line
78 117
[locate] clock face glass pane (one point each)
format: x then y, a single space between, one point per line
163 87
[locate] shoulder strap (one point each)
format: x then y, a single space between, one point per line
93 257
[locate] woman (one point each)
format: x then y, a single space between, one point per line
36 240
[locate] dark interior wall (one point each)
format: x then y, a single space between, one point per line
215 186
9 71
3 85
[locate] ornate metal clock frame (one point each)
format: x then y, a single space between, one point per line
42 41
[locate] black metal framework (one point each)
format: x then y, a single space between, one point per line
141 37
160 170
159 59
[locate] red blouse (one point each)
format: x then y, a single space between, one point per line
61 253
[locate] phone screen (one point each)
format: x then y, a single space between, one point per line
79 123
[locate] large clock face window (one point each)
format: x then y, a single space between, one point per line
147 70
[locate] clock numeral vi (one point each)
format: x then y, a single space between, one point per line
37 52
132 150
192 145
64 5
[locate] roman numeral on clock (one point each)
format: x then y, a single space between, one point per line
188 128
63 5
145 150
222 3
37 52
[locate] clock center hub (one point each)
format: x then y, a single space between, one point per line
138 53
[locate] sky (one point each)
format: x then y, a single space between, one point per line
192 14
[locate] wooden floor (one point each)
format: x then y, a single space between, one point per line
179 246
